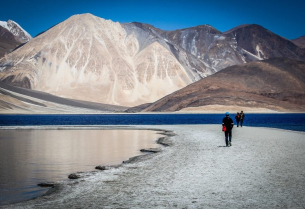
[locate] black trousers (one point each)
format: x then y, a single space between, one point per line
228 137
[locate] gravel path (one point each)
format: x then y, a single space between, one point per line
265 168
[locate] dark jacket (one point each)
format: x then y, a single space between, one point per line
228 122
242 116
237 117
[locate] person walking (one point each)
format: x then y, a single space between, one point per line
242 117
237 118
227 124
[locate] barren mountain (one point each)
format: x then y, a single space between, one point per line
92 59
274 84
299 42
11 36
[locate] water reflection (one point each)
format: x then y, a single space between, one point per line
29 157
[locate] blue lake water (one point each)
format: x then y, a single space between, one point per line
294 122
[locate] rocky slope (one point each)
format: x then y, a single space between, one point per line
89 58
274 84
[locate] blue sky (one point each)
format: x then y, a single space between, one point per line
285 18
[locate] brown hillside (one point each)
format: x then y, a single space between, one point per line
275 84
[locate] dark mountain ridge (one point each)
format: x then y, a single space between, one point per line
276 84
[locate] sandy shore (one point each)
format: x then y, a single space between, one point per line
265 168
234 109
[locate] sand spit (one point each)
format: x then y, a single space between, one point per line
265 168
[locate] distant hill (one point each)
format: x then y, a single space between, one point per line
275 84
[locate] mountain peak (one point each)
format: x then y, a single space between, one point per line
83 16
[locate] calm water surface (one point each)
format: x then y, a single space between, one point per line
29 157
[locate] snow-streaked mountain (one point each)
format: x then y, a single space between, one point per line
19 33
93 59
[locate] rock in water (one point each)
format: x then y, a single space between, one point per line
46 184
74 176
100 167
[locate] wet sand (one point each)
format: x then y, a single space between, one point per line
265 168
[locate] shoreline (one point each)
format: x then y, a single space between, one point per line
98 168
187 147
54 187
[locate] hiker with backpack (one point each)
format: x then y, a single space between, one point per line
227 126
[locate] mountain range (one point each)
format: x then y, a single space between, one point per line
91 59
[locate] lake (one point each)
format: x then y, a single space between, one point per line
287 121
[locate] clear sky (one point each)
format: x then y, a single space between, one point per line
283 17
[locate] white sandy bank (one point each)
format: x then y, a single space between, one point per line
231 109
265 168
